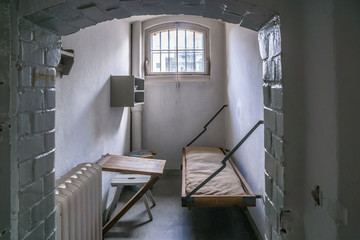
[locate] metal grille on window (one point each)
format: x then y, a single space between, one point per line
177 50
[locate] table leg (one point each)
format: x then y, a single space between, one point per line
129 204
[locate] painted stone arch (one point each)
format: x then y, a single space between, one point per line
41 24
65 17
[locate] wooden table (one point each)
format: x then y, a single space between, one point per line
119 163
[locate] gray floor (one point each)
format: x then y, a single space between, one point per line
173 222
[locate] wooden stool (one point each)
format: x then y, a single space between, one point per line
120 180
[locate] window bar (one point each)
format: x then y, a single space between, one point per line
177 52
168 68
160 48
185 52
194 64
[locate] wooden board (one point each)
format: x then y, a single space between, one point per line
246 200
119 163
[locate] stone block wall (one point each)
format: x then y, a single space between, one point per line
270 50
39 54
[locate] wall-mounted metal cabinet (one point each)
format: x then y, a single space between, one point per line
126 91
66 62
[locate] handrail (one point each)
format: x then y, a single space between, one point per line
227 157
205 127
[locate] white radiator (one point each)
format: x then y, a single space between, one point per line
78 204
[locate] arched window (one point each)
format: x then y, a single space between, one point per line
177 48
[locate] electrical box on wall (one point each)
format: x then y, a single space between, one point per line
126 91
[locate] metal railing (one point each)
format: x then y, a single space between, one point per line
205 127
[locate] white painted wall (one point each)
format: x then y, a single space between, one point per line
86 126
245 100
319 56
172 116
321 161
347 51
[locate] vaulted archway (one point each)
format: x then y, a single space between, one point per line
38 50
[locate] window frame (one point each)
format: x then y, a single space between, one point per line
171 25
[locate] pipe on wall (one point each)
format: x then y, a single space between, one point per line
136 56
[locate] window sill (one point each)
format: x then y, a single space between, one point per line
180 78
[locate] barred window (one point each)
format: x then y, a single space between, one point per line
176 48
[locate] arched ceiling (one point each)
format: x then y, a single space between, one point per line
68 16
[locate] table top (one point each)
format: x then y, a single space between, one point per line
119 163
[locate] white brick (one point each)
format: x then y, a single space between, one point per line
270 119
37 233
277 96
274 41
280 176
31 146
49 183
263 44
47 39
32 54
49 141
26 172
277 198
44 77
44 165
31 195
268 186
268 140
268 70
266 94
53 57
50 225
31 100
24 124
277 148
271 213
270 165
43 209
24 223
50 98
268 229
275 170
26 77
279 124
43 121
278 68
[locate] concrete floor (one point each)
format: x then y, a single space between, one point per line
173 222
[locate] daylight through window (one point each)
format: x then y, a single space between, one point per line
177 48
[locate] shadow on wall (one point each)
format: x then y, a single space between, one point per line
102 122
